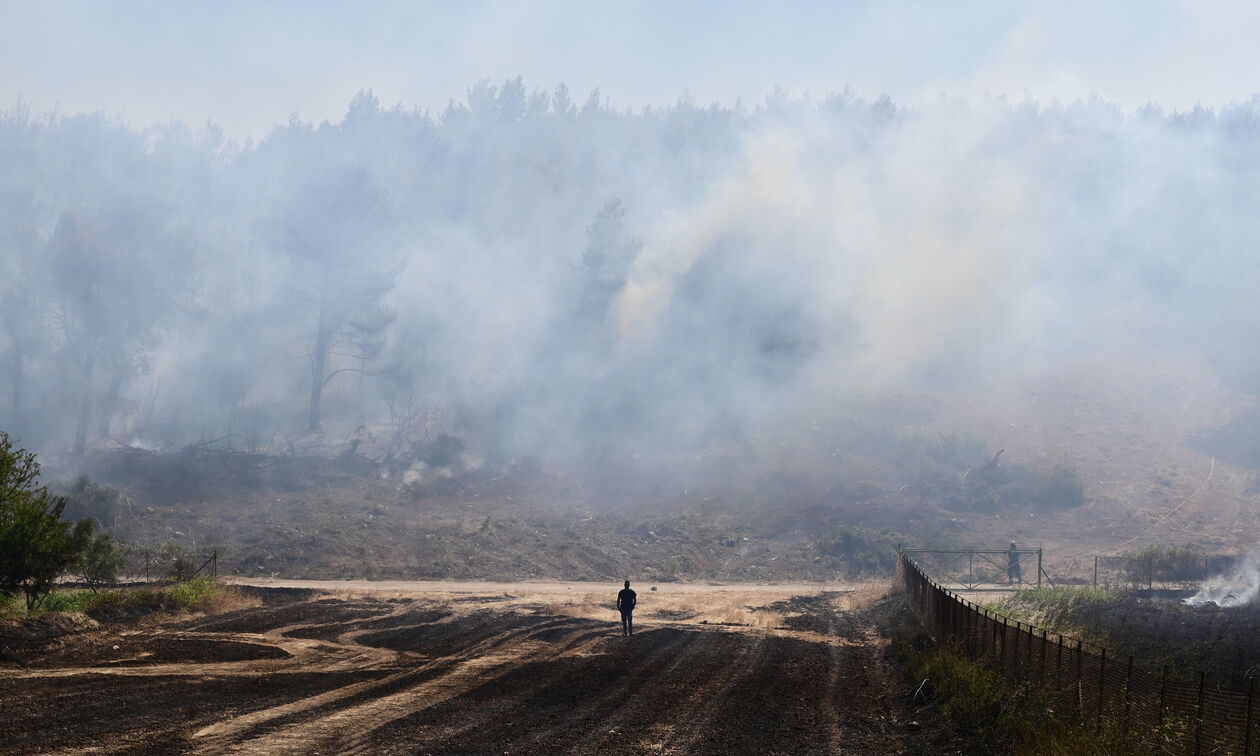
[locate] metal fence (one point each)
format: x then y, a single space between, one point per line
1085 682
1136 571
168 563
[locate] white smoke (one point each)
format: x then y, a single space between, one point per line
1238 587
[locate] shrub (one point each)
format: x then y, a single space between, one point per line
36 545
1165 564
71 601
178 565
7 606
87 499
102 559
196 594
199 594
855 551
986 712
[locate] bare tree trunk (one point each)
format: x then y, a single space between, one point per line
317 388
319 358
109 401
85 410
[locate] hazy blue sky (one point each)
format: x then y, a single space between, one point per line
246 65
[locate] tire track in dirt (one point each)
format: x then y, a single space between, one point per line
346 730
417 677
493 716
302 654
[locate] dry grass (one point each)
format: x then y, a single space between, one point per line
681 603
231 600
725 608
863 596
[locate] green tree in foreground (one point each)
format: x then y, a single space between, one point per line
36 545
102 559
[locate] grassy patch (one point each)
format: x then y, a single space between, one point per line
201 594
9 607
973 708
66 601
1222 642
196 595
1071 611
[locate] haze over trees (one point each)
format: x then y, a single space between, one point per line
561 278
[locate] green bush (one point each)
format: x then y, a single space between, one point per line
70 601
1062 609
196 594
857 551
87 499
1165 564
102 559
36 545
978 710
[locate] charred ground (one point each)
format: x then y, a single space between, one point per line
458 674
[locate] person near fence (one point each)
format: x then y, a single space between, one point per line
626 600
1012 560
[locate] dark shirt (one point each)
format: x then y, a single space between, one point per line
626 600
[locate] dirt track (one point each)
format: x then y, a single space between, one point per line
307 675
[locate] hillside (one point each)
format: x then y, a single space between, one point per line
830 502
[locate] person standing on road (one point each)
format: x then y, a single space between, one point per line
626 600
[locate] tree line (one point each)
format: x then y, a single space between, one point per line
549 273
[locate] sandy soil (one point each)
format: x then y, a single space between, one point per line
471 668
533 587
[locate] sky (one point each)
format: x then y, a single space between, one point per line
248 65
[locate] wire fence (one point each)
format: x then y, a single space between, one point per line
1149 571
168 562
1085 682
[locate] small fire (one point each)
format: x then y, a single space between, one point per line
1238 587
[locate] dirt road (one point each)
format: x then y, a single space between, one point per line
309 674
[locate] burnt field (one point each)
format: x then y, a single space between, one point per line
1223 642
521 672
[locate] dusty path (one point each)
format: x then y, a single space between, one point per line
458 675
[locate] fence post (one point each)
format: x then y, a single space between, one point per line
1005 625
1028 659
1102 671
1058 664
1198 717
993 635
973 628
1095 570
214 564
1038 567
1015 659
1251 689
1041 676
1080 683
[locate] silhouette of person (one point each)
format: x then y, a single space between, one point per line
626 600
1012 570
